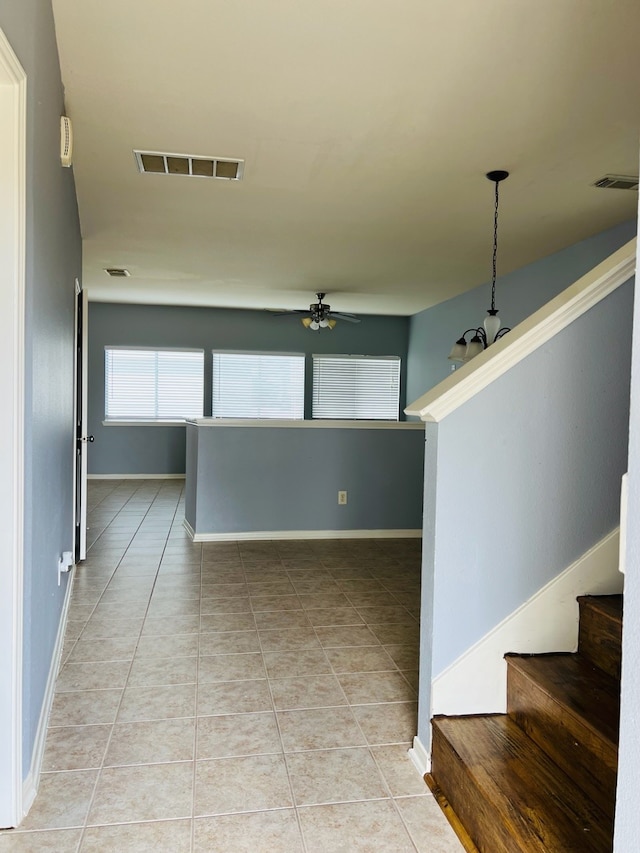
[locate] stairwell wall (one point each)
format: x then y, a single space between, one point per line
521 480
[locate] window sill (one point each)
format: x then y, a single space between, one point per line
143 423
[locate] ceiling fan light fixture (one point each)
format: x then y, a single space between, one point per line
319 316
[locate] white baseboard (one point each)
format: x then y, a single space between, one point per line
248 535
420 757
135 476
476 683
30 783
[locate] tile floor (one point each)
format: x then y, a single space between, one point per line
241 696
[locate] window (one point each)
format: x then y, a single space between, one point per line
149 385
357 387
258 385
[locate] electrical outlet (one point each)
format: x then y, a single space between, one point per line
65 563
342 498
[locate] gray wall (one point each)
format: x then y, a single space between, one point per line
270 479
627 826
518 294
161 450
523 479
53 261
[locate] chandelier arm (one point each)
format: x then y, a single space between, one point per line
502 332
473 329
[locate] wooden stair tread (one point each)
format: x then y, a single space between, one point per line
520 792
581 688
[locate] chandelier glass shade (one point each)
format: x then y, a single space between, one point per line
483 336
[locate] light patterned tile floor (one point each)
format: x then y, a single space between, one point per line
237 696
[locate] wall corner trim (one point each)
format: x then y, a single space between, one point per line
526 337
420 757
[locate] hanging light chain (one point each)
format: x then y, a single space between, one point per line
495 251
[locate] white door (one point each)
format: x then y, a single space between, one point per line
82 439
12 299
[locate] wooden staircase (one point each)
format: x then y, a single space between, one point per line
542 777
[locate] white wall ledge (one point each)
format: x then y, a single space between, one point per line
462 385
144 423
303 424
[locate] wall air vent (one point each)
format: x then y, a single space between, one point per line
617 182
66 141
157 163
117 272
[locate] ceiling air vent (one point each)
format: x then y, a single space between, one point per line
617 182
117 272
157 163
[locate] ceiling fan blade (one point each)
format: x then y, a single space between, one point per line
294 313
350 318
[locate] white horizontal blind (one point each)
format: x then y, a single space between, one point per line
356 387
258 385
147 385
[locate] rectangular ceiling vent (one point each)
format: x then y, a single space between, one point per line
617 182
157 163
117 272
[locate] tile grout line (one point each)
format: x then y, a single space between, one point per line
279 729
117 710
196 733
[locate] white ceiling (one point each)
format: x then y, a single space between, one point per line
366 127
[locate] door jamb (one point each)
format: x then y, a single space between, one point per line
13 95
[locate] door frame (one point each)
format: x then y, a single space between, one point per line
80 416
13 97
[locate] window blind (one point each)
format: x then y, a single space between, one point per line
351 387
147 384
258 385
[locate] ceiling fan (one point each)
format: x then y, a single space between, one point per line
319 316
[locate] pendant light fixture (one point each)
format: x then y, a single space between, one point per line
483 336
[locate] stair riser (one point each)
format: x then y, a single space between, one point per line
469 804
508 794
600 638
584 756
